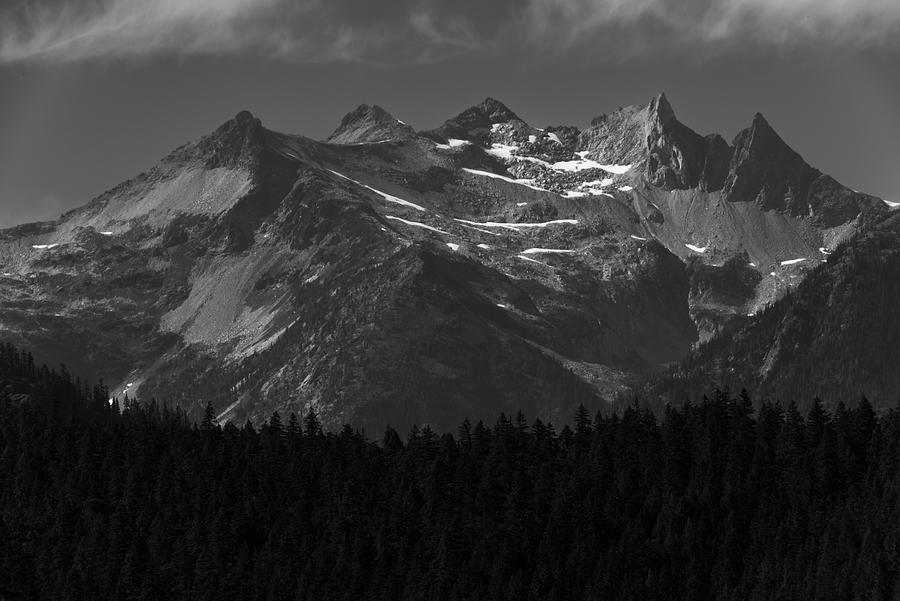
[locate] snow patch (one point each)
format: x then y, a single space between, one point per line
107 233
638 238
698 249
501 305
453 143
503 151
44 246
582 164
521 204
483 231
891 204
453 246
535 251
585 163
384 195
522 182
587 192
625 188
554 137
524 258
417 224
484 246
793 261
516 226
532 139
601 183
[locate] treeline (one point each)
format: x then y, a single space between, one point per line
713 500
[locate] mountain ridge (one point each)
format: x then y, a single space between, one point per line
387 275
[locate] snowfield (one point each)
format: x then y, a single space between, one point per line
536 251
583 163
503 151
384 195
529 259
418 224
516 226
522 182
453 143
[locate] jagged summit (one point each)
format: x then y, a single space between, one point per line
480 267
495 111
671 154
237 142
368 125
761 139
765 170
660 108
244 116
475 122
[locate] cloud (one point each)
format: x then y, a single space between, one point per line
716 25
426 30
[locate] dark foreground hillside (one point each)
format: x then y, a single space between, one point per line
710 501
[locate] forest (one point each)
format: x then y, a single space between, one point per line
720 498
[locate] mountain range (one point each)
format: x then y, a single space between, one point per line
392 276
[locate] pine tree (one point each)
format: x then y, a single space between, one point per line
209 418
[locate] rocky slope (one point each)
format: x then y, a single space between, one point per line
388 276
835 336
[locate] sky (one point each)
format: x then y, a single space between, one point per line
93 92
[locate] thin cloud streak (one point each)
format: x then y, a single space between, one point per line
60 31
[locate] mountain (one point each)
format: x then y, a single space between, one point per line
834 337
369 125
393 276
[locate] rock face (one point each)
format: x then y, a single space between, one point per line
386 276
369 125
476 123
835 337
766 171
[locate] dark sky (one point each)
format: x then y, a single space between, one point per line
90 96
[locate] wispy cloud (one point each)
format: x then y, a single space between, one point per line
716 25
425 30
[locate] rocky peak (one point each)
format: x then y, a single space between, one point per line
237 142
495 111
659 110
672 154
760 139
475 123
765 170
367 125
